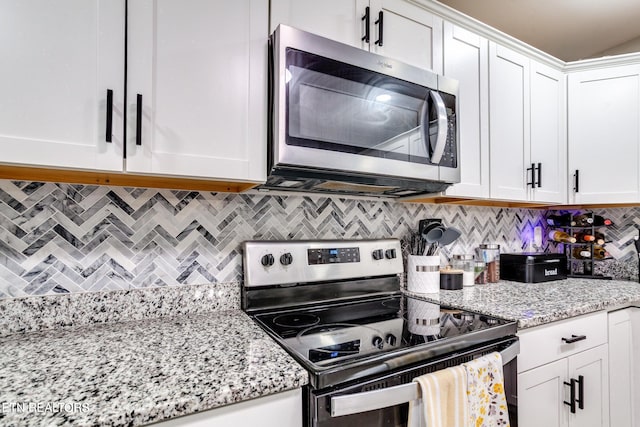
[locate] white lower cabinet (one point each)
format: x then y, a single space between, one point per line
276 410
541 396
624 334
556 358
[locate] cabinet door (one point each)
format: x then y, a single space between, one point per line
59 59
548 134
604 134
409 34
200 68
621 368
339 20
593 366
541 393
466 60
276 410
509 123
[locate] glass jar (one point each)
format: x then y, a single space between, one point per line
490 254
480 271
465 263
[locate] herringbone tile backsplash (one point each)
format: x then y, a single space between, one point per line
60 238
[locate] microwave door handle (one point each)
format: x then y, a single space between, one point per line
350 404
441 138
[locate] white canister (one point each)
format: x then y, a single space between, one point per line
423 274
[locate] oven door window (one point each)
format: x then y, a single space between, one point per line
340 107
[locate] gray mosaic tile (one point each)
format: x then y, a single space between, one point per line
127 238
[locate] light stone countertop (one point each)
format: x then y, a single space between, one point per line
142 371
533 304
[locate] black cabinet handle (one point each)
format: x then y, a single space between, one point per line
367 22
580 398
572 399
532 183
139 120
380 24
574 338
109 127
539 175
576 188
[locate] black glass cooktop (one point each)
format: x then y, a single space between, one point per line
342 333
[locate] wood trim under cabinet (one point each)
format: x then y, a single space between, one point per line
119 179
475 202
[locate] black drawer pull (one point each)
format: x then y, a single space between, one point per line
580 398
139 119
367 23
109 126
574 338
572 398
380 24
532 183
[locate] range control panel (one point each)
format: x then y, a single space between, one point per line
333 255
304 261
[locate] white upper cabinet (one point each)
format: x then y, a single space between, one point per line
197 88
406 32
466 60
527 128
397 28
604 135
340 20
60 59
509 123
548 134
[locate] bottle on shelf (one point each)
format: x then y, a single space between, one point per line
600 221
580 253
583 220
599 238
600 253
584 237
561 236
560 220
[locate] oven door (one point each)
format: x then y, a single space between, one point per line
338 107
384 401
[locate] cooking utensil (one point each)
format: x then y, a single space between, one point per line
449 236
432 235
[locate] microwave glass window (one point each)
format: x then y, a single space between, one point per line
340 107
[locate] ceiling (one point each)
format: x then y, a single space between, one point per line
567 29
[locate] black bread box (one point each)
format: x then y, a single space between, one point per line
532 267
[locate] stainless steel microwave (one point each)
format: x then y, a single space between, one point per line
344 120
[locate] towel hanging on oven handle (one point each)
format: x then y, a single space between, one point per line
350 404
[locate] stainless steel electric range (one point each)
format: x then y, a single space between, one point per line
337 307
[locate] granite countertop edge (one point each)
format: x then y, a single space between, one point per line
536 304
161 368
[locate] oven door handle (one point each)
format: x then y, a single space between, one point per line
436 149
351 404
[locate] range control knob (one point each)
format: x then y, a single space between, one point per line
378 254
267 260
391 339
286 259
390 253
377 342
